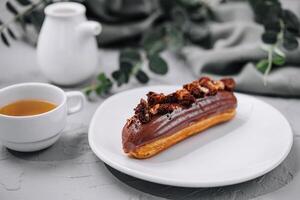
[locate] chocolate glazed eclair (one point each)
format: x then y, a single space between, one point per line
164 120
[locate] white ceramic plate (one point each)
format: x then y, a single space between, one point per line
252 144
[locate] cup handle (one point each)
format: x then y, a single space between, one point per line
80 99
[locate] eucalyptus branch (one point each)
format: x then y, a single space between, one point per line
21 14
101 86
274 51
30 14
270 61
282 28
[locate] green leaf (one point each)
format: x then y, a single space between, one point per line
99 90
289 41
126 67
158 65
128 59
291 21
104 85
273 25
36 18
88 91
11 8
4 39
266 11
130 55
21 20
11 33
120 77
142 77
129 62
269 37
262 65
278 60
174 38
24 2
156 47
116 74
102 77
179 17
153 41
123 78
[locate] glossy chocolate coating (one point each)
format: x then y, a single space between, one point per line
137 134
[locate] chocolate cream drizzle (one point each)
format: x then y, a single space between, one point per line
137 133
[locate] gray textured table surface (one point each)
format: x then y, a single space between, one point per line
69 169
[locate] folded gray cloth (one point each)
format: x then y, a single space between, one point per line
234 40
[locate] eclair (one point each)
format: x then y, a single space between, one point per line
162 120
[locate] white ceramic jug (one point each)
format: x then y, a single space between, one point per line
67 49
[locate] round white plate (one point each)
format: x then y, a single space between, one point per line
256 141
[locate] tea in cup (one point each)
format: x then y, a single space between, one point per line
32 115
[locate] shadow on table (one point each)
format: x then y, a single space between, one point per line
72 144
267 183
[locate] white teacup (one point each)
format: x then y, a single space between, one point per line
36 132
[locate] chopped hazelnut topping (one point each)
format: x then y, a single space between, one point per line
154 109
160 104
229 83
219 85
155 98
196 90
207 83
203 80
171 98
184 97
142 111
204 90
